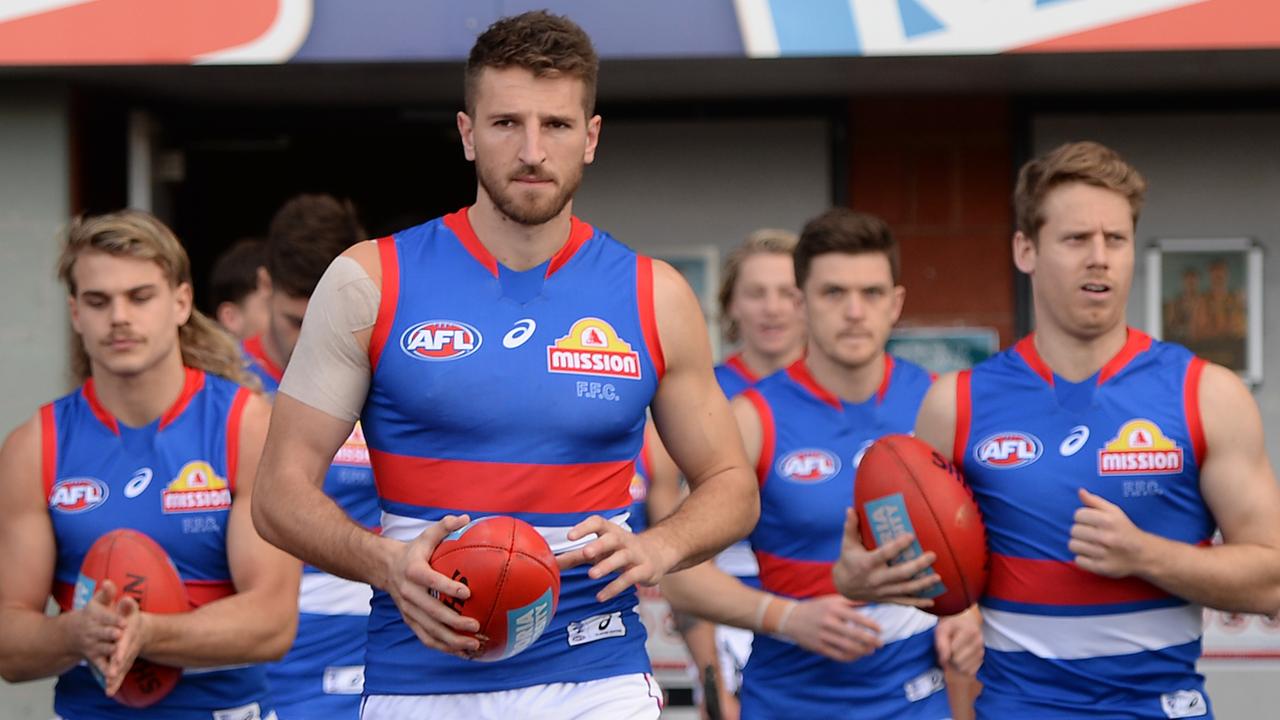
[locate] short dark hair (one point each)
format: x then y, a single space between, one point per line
1085 162
546 45
306 234
841 230
235 272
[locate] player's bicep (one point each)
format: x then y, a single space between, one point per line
330 366
1236 479
28 550
301 443
254 562
936 421
750 427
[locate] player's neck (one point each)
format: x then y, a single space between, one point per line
519 247
139 399
854 384
765 364
1076 358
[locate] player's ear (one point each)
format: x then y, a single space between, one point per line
593 139
466 131
182 299
74 309
1024 252
899 298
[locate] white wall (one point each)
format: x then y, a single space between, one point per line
663 184
1209 176
34 203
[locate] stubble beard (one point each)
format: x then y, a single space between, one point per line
532 212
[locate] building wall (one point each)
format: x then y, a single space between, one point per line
938 170
661 186
34 204
1209 175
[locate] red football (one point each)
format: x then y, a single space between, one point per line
141 569
513 577
905 486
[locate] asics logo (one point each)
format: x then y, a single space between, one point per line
519 334
139 482
1074 440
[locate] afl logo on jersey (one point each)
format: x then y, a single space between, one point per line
808 466
593 347
77 495
196 489
440 340
1140 448
1008 450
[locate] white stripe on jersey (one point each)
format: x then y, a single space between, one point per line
738 560
405 529
898 622
1079 637
325 594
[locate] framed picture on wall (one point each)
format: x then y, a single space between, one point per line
1206 294
700 266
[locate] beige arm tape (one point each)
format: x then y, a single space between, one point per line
329 369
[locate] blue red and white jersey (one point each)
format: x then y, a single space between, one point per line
323 673
639 520
1061 641
172 480
496 392
812 443
734 376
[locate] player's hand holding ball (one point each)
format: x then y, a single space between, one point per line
639 559
421 593
867 576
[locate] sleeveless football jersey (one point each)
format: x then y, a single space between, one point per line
734 376
812 442
513 393
1061 641
172 480
323 673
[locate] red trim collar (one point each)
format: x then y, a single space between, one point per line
256 350
736 363
1136 342
799 372
193 382
460 223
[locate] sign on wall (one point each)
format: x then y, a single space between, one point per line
129 32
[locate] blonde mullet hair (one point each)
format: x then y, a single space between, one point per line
137 234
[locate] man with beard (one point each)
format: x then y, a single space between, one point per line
501 360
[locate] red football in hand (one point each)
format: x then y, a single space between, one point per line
513 578
141 569
905 486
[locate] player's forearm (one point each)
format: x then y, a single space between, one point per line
249 627
712 594
34 645
718 512
1241 578
289 520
